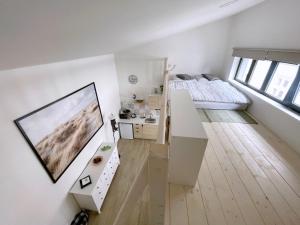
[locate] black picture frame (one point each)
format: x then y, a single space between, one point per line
32 146
85 181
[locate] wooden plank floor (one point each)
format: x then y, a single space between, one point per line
248 176
139 215
133 153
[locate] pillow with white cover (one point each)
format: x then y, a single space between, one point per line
184 76
210 77
202 80
198 77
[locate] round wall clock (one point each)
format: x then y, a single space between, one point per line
133 79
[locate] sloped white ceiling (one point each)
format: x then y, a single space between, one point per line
42 31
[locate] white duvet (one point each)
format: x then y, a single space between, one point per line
210 91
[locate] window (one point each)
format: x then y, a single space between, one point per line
244 69
276 80
259 73
282 80
296 100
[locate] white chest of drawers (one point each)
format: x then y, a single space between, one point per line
92 196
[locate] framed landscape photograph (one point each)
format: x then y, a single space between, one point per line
58 132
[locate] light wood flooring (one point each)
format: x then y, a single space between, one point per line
248 177
133 153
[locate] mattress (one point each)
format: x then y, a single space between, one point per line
220 105
216 94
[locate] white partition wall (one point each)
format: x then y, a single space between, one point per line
188 140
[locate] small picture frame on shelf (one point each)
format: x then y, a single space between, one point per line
85 181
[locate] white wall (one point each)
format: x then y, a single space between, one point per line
272 24
148 70
28 195
200 50
37 32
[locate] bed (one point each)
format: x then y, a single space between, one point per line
214 94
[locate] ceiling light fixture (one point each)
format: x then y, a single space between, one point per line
226 4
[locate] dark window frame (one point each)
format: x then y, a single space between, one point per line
291 94
249 72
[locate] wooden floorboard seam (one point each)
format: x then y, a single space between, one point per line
243 174
275 197
202 200
269 152
279 172
243 186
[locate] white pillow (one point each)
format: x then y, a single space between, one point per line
203 80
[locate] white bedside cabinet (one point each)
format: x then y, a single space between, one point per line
92 196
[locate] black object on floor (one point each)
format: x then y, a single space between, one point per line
81 218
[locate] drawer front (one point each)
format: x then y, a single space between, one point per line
106 177
99 194
137 126
138 133
115 157
150 131
100 191
138 130
112 171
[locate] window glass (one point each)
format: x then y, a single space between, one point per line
296 100
282 80
244 69
259 73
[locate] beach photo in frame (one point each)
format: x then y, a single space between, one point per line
58 131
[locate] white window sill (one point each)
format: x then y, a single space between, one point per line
266 99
